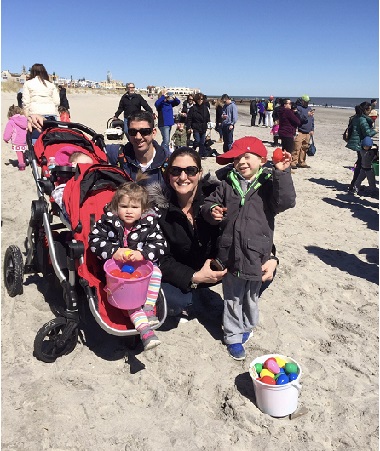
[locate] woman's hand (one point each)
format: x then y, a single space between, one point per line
268 269
218 212
35 121
285 162
207 275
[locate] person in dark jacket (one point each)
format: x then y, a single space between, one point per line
131 103
142 153
184 112
245 206
196 122
253 112
164 105
305 131
63 102
218 118
288 123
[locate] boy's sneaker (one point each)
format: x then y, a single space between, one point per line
152 318
149 340
236 351
246 336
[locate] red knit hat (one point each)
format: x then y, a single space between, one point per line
248 144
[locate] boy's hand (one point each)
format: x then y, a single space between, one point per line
268 269
285 162
218 212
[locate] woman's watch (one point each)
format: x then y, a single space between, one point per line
273 257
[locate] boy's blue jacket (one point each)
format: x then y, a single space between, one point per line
246 238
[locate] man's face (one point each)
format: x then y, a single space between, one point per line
131 88
141 144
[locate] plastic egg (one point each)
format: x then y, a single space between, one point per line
292 376
278 155
115 272
282 379
271 365
291 367
282 371
267 380
126 275
258 367
280 362
266 372
136 275
128 268
127 252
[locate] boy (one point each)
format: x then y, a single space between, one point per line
368 153
245 205
179 137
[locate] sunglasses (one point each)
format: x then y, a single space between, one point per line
190 171
142 131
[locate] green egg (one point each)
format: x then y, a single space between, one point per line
291 367
258 367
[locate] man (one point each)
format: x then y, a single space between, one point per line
142 153
305 131
230 117
253 112
131 103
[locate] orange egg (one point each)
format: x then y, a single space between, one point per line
278 155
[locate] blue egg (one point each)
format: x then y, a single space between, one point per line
282 371
292 376
282 379
128 268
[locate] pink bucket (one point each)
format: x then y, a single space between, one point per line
127 293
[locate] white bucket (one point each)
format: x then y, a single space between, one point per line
276 400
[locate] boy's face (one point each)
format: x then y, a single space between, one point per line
248 164
180 126
366 147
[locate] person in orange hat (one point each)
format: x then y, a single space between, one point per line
245 205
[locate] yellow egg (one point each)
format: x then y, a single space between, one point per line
280 362
126 253
266 372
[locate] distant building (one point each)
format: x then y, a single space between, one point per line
11 76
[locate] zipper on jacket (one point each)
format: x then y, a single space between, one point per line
256 183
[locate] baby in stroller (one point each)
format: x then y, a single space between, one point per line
129 232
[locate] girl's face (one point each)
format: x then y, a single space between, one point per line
129 210
184 183
248 164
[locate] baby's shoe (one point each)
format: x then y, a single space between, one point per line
149 339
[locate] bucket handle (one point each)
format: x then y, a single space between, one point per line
296 385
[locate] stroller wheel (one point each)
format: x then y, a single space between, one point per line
50 343
13 271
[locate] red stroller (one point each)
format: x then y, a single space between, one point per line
59 247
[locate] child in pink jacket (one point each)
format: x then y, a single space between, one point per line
15 132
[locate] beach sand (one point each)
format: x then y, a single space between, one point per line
188 394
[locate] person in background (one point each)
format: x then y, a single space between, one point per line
245 206
218 119
288 122
362 126
15 132
373 104
164 105
19 98
196 122
179 137
305 131
183 114
64 115
40 96
63 98
269 106
261 110
230 117
253 112
131 103
368 153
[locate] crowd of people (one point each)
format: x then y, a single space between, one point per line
199 231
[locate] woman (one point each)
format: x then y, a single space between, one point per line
218 118
40 96
191 241
361 125
196 123
164 105
288 122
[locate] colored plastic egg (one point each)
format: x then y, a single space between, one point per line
291 368
115 272
282 379
271 365
128 268
292 376
267 380
136 275
258 367
126 275
280 362
127 252
282 371
278 155
266 372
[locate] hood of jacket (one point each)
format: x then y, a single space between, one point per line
20 121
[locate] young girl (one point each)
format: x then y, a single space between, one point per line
64 115
15 131
129 224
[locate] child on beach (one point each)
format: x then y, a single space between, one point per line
64 115
274 132
129 224
15 132
368 154
179 137
245 205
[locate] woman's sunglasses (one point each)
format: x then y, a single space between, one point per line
190 171
142 131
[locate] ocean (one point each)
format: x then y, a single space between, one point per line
331 102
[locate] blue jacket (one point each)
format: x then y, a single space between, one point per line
232 114
307 122
165 111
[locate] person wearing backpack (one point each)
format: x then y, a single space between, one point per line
269 112
361 126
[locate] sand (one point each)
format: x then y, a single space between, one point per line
188 394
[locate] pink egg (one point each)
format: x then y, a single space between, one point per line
271 365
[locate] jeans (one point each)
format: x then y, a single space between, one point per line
199 141
228 137
165 133
253 120
126 127
176 300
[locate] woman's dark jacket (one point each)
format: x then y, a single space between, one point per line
188 247
361 127
288 122
198 117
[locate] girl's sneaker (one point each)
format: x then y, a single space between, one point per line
149 340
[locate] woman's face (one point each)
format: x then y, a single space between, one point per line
184 183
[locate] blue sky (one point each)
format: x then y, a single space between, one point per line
242 47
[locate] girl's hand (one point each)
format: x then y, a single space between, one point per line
207 275
134 256
119 255
285 162
218 212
